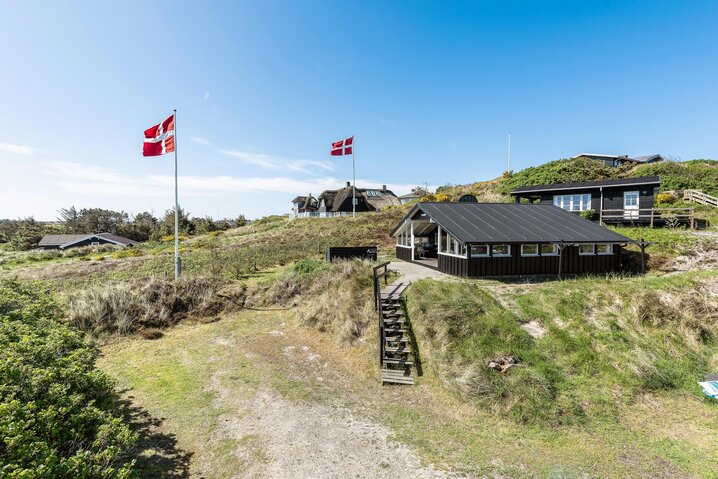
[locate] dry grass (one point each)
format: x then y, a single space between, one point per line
124 308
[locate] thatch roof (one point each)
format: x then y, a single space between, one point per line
369 199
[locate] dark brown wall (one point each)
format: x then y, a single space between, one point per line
403 254
517 265
612 197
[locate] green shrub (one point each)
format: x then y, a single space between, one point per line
57 410
310 267
560 171
666 198
588 214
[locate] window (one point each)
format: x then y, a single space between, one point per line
573 202
586 249
529 250
549 250
95 243
375 193
500 250
604 249
479 250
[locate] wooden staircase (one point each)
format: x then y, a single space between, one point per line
396 363
395 344
697 196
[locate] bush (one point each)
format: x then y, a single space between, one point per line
588 214
57 410
666 198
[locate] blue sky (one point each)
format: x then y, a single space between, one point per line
429 89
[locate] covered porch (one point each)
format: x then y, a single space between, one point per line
417 241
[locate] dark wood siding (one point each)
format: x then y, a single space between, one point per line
612 196
453 265
403 254
517 265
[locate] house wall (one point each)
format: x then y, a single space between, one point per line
403 253
612 196
517 265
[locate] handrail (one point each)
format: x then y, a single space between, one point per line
699 197
651 214
377 303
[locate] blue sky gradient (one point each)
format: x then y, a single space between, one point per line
429 89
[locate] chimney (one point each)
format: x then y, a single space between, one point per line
383 187
349 183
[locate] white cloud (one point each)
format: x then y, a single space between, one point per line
206 95
276 163
99 181
199 140
17 149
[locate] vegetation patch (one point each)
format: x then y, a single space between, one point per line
58 414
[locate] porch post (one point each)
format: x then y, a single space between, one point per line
412 240
438 243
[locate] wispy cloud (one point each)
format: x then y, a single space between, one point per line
199 140
96 180
206 95
17 149
276 163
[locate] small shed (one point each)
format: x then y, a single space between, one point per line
506 239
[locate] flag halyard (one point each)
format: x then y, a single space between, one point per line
160 139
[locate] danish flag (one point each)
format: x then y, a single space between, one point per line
160 139
343 147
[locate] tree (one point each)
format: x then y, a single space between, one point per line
93 220
27 234
167 223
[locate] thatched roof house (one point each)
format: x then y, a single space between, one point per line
368 199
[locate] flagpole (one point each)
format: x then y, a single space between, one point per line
354 183
178 264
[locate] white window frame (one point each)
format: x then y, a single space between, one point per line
95 243
477 255
554 247
566 202
536 247
593 249
453 246
500 255
610 249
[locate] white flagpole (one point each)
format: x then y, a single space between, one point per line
508 164
178 264
354 183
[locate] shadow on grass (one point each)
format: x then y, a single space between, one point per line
156 452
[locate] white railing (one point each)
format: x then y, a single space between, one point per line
319 214
698 196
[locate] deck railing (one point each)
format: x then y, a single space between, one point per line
318 214
650 216
699 197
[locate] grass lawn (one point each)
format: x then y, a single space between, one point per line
200 379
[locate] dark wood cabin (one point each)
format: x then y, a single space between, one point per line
624 200
506 239
77 240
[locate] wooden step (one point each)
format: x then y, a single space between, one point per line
396 376
396 339
397 350
399 362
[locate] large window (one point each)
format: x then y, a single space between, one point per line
404 237
573 202
479 250
549 250
450 245
529 250
604 249
500 250
586 249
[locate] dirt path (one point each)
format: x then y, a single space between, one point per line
280 438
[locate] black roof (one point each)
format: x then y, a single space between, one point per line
641 180
514 223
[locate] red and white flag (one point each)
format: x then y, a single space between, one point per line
343 147
160 139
